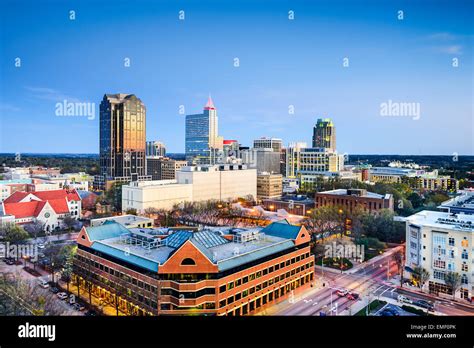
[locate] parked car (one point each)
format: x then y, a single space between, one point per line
40 246
352 296
54 290
43 283
389 312
404 299
78 306
424 304
10 262
90 313
62 295
342 292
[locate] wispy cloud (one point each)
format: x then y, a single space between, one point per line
450 49
50 94
9 108
448 43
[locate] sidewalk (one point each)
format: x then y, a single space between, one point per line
436 298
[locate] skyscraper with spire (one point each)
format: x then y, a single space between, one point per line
202 140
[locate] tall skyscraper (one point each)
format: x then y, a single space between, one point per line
122 139
268 143
202 140
155 149
324 134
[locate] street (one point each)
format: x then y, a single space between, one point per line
370 282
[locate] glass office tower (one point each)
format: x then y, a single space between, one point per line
202 141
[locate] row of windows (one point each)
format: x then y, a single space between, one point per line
257 303
118 274
188 294
118 289
261 286
261 273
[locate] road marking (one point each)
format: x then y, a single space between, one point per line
381 286
393 290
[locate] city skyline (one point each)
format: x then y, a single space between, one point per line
284 65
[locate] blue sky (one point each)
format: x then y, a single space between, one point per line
282 63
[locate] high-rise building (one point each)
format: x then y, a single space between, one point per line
163 168
155 148
263 159
269 186
122 139
268 143
202 140
324 134
310 164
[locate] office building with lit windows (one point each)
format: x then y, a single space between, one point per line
202 142
324 134
442 242
122 140
212 271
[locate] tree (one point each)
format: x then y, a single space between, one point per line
151 211
131 211
453 280
399 258
326 219
34 228
13 234
69 222
421 276
416 200
67 254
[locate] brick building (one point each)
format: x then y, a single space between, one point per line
218 271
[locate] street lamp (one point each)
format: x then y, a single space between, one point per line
52 272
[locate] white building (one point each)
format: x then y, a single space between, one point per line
441 242
192 184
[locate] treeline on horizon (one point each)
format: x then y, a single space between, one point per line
455 166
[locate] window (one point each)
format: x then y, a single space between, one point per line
238 296
222 288
464 279
230 300
245 279
222 303
230 285
252 276
438 275
451 241
238 282
464 267
188 262
464 254
439 264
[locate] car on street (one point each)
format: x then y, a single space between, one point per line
342 292
403 299
389 312
9 262
40 246
78 306
424 304
62 295
54 290
352 296
43 283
